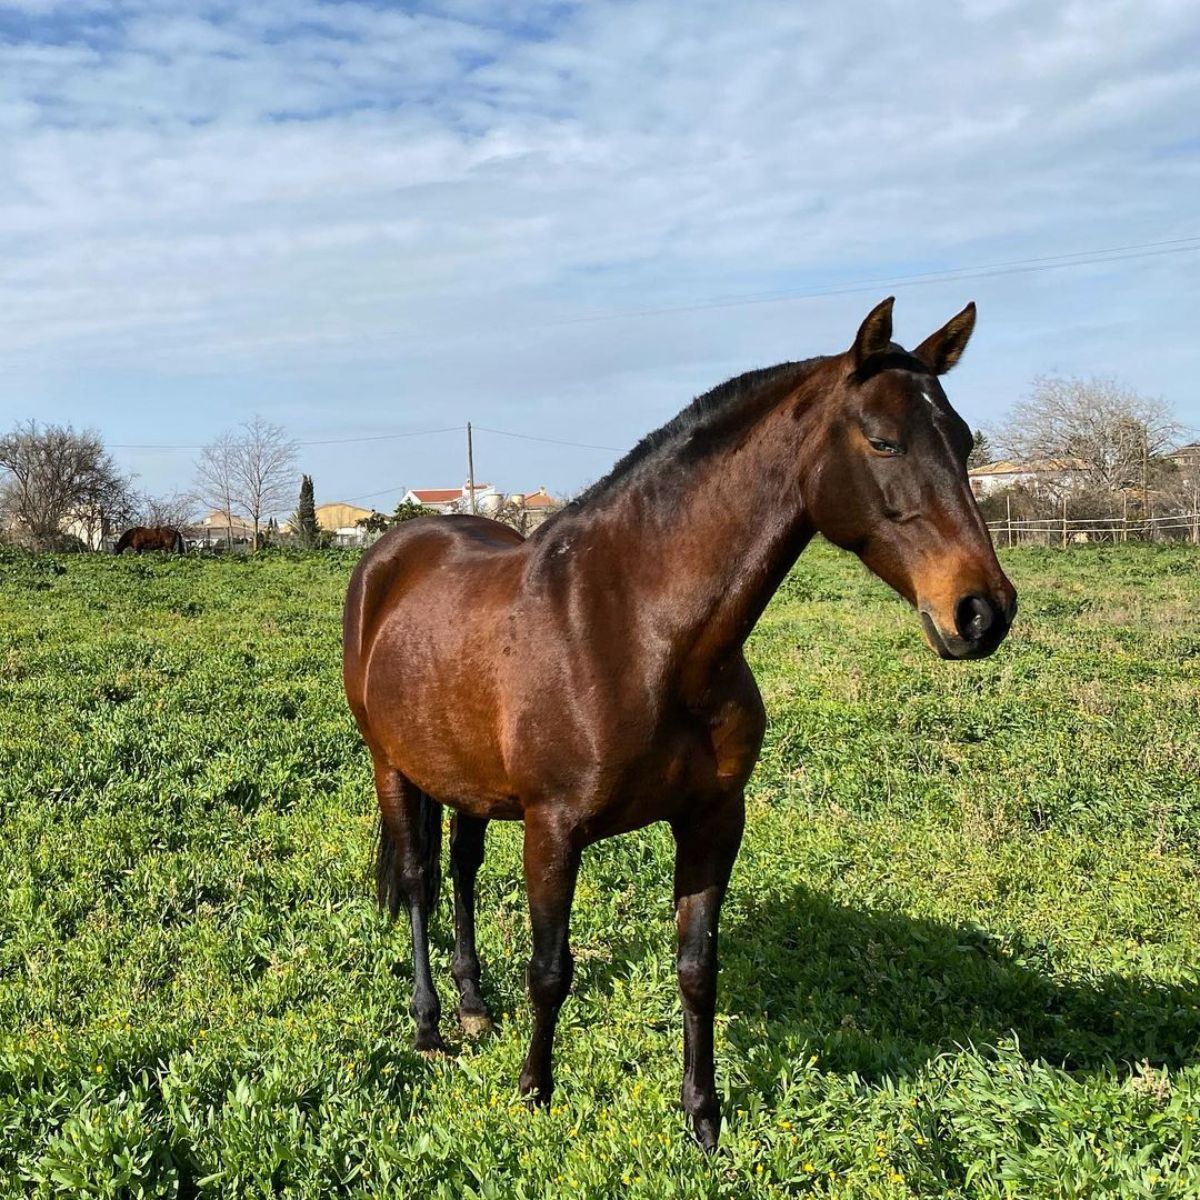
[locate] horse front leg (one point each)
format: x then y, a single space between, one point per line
551 867
466 857
706 845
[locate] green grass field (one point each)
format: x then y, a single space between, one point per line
959 956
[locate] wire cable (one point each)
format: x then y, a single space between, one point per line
1079 258
374 437
530 437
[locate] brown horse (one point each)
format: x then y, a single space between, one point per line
142 539
624 617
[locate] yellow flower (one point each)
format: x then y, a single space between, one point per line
809 1167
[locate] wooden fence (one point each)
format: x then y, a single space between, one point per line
1065 531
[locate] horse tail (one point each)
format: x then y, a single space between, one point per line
424 844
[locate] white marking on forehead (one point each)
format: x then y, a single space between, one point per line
927 392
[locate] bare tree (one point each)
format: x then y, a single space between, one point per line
263 470
1117 436
109 504
513 513
52 477
216 478
1179 487
175 509
247 472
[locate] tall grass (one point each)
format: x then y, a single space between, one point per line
959 956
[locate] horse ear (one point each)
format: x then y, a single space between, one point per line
874 334
941 350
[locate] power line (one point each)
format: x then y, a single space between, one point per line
371 495
1054 262
529 437
526 437
383 437
375 437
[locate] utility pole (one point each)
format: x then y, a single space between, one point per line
470 468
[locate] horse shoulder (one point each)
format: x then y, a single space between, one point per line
736 719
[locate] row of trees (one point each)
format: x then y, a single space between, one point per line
1114 444
60 486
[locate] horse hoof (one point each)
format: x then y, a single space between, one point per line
432 1046
475 1025
535 1095
707 1130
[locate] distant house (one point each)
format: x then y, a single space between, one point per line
219 528
342 520
535 506
97 534
449 500
995 477
1186 457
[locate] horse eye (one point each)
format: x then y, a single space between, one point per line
882 446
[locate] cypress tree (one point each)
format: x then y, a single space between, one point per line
981 451
305 523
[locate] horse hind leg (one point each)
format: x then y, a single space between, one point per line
466 857
407 873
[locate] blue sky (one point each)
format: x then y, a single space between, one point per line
378 218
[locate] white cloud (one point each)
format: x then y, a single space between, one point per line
362 194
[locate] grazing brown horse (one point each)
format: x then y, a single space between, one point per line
142 539
624 617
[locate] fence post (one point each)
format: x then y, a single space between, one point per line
1008 509
1124 516
1064 520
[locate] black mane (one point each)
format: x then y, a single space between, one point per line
698 429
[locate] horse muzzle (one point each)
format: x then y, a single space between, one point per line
981 623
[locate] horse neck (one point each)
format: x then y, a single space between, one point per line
715 539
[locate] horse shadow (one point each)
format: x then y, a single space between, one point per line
880 993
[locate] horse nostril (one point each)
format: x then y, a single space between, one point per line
974 616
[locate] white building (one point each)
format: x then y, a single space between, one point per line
450 500
1055 472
